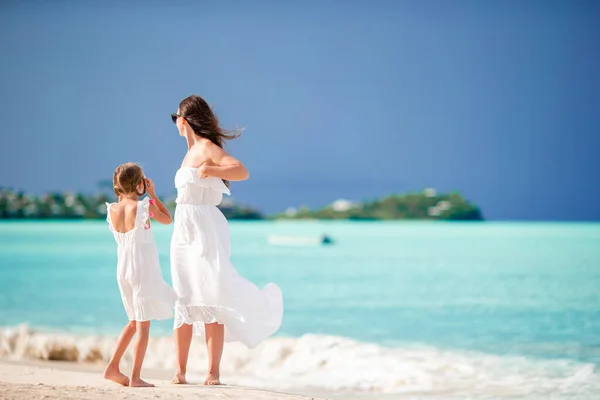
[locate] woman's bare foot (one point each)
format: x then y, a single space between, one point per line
212 379
113 374
139 383
179 379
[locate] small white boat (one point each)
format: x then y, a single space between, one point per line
277 240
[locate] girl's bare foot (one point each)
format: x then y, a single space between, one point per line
212 379
179 379
113 374
139 383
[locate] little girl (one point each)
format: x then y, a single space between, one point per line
144 293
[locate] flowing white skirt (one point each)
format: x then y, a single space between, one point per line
208 286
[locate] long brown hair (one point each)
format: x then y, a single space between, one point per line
126 179
204 122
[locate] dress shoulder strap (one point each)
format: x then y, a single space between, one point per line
110 226
142 218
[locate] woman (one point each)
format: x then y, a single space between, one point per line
214 300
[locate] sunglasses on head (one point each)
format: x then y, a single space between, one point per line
174 117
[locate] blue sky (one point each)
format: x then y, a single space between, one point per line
499 100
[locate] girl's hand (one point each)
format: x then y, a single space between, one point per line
150 187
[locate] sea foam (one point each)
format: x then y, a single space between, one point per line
319 363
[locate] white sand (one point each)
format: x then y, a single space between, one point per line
47 380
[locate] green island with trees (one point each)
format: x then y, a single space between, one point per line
427 205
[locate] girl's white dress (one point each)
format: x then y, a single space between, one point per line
145 295
208 287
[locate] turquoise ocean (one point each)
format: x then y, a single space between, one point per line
426 309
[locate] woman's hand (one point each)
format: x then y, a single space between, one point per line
221 165
204 169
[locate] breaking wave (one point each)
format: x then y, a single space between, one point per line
331 364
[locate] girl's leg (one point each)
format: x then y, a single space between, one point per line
215 336
112 371
183 339
142 329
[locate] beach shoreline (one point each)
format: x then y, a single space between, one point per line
311 366
69 380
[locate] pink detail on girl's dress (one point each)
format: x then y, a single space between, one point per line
150 215
152 201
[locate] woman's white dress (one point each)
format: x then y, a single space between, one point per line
207 285
144 293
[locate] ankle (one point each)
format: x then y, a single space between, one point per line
113 365
180 372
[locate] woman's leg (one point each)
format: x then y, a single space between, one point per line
112 371
139 351
183 339
215 336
